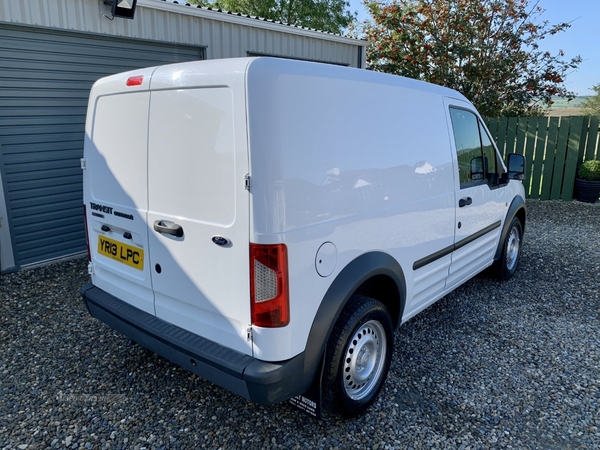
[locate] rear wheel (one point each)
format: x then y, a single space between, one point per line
358 356
506 266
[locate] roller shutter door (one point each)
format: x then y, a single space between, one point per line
45 79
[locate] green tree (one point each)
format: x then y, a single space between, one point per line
325 15
486 49
591 105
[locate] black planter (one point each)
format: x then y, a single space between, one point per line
587 191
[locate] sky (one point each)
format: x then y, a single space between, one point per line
583 38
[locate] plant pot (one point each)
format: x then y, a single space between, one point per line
587 191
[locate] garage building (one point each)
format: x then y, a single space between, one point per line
52 51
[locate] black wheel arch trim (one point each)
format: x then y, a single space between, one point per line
517 205
346 283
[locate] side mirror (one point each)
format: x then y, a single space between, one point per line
516 167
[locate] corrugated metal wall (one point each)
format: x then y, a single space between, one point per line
51 51
224 35
45 79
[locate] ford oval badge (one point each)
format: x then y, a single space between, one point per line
221 241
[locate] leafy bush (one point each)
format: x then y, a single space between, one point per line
590 170
489 50
591 105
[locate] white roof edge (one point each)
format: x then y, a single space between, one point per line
250 21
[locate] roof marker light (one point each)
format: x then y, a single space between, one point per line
135 81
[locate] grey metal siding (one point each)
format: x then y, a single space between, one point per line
224 35
45 79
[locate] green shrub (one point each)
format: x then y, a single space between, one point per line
590 170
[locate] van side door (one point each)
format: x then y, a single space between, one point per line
480 198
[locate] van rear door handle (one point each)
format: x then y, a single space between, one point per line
173 229
465 202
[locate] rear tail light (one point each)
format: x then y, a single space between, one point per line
87 235
269 291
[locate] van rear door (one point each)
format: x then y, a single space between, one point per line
198 207
115 186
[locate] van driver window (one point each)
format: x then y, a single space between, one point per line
475 153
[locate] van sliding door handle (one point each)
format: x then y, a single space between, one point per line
465 202
173 229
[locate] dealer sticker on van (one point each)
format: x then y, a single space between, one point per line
132 256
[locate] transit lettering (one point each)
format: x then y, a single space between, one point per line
101 208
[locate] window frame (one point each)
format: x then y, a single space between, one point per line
499 167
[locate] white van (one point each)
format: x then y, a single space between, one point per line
268 223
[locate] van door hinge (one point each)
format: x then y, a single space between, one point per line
249 333
82 163
90 268
247 182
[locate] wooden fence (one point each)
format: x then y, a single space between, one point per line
554 147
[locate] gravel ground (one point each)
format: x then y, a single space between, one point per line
493 365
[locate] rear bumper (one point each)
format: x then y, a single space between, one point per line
259 381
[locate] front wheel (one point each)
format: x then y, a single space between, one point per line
506 266
358 356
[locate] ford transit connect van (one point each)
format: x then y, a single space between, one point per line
267 224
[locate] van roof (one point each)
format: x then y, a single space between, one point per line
291 66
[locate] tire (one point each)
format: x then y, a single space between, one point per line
507 265
358 356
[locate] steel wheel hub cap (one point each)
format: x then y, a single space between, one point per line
512 249
364 359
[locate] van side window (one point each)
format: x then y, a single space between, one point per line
476 155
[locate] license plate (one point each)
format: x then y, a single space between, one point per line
126 254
